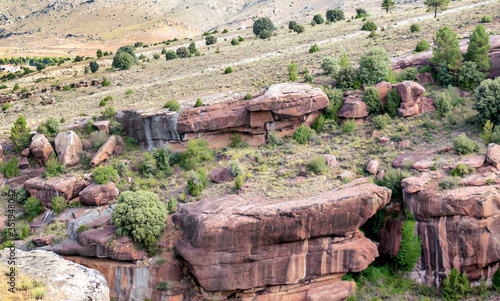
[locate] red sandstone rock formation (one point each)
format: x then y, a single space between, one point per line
353 108
98 195
68 148
282 108
237 244
46 190
103 154
40 148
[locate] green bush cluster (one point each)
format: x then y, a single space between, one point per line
10 169
234 168
20 134
410 249
349 126
455 286
336 96
182 52
209 40
392 103
348 78
422 46
317 164
374 66
53 167
392 180
59 204
461 170
469 76
381 121
463 145
371 97
334 15
197 181
50 127
263 24
170 55
369 26
21 195
415 27
319 124
487 101
443 104
139 215
197 151
172 105
302 134
330 65
104 174
33 207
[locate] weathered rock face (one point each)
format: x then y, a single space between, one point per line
493 155
64 279
383 88
98 195
103 154
68 148
410 93
46 190
282 108
220 175
422 59
40 148
459 228
236 244
102 125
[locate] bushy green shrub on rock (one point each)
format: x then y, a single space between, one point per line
139 215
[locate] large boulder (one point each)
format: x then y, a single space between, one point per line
98 195
220 175
68 148
46 190
63 279
493 155
383 88
103 154
40 148
233 243
353 108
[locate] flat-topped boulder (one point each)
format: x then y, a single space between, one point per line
233 243
68 148
46 190
280 109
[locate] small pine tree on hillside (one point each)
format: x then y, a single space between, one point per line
437 5
446 49
293 72
20 134
99 53
479 46
388 5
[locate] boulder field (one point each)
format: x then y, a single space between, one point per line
250 248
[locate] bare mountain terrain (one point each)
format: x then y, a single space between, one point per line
77 27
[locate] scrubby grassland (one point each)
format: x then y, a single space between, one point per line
256 64
26 288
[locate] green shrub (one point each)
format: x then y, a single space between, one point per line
443 104
410 249
102 103
496 280
21 195
318 124
53 167
408 74
374 66
234 168
314 48
235 42
369 26
349 126
392 180
372 99
10 170
20 134
123 61
59 204
33 207
108 113
265 34
330 65
228 70
461 170
105 82
422 46
104 174
469 76
299 29
415 27
197 151
50 127
308 78
6 106
292 24
156 56
173 105
334 15
293 72
97 139
381 121
392 103
336 96
172 205
83 228
455 286
238 182
463 145
210 40
486 19
263 24
139 215
162 286
487 101
449 182
94 66
302 135
317 164
170 55
318 19
347 78
182 52
196 182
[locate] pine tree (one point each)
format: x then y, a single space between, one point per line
292 72
437 4
344 61
388 5
446 49
20 134
479 46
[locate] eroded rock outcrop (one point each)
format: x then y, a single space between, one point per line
237 244
46 190
64 279
40 148
98 195
282 108
103 154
